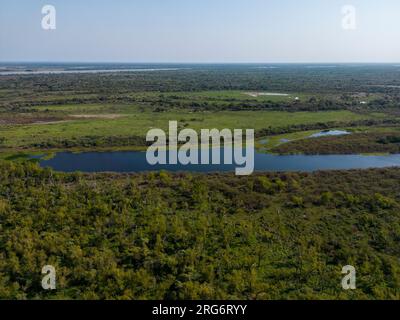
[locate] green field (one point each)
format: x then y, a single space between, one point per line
227 95
129 121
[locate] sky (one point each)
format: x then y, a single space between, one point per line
200 31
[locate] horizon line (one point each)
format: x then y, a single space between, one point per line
200 63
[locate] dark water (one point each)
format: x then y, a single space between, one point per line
129 161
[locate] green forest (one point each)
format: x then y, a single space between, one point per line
195 236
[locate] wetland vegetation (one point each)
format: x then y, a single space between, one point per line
165 235
199 236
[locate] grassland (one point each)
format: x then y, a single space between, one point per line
365 141
49 120
57 111
113 126
105 120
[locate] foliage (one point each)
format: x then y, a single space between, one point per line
192 236
366 142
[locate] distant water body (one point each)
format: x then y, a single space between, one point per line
33 72
329 133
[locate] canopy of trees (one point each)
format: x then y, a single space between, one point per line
183 236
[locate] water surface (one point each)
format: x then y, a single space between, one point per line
329 133
135 161
33 72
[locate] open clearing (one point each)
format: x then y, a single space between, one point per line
132 122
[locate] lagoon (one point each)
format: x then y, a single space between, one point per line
135 161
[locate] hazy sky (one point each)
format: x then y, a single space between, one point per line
200 31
